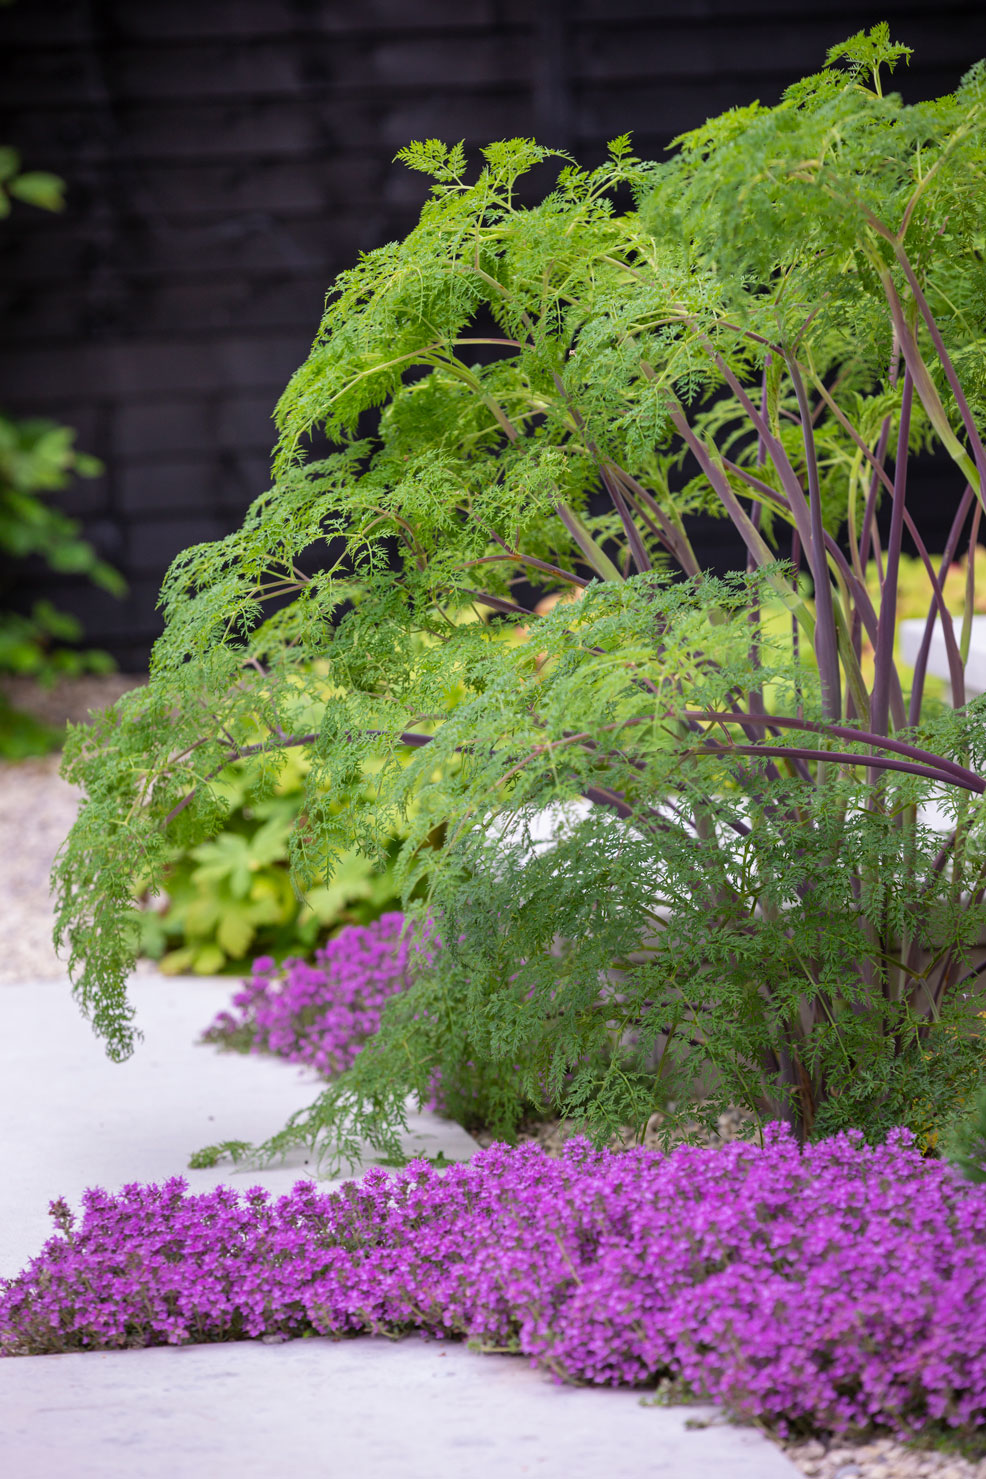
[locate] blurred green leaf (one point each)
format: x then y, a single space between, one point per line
38 188
38 457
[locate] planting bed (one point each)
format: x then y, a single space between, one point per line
830 1287
74 1119
528 1173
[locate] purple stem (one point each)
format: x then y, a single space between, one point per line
868 532
498 603
838 757
756 545
865 737
826 636
640 556
675 542
513 556
968 420
869 514
956 667
756 518
863 605
800 511
884 652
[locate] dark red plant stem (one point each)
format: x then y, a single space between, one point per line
798 503
640 556
795 630
842 731
756 512
863 606
884 651
519 559
764 410
968 420
839 757
676 542
498 603
570 524
758 548
956 667
869 513
868 532
970 561
860 593
956 671
826 636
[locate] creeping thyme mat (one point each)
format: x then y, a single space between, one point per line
321 1015
828 1288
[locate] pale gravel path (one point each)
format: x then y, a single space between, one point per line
37 808
36 811
879 1460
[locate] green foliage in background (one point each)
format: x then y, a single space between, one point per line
744 895
32 187
232 898
965 1143
37 458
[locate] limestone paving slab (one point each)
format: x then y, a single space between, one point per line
362 1408
71 1118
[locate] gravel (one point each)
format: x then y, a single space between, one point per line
37 808
882 1459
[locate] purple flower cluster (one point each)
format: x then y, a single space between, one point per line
322 1014
837 1286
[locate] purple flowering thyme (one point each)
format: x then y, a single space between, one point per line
323 1014
837 1286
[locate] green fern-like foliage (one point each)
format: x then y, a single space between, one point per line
742 895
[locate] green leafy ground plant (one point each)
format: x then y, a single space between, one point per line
744 891
232 897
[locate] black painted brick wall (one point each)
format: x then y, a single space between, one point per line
226 158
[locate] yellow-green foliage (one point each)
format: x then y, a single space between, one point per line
232 898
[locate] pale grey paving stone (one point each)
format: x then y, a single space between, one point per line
365 1408
911 634
72 1119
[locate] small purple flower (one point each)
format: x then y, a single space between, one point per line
836 1286
323 1014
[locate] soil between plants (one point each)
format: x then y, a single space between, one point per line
552 1134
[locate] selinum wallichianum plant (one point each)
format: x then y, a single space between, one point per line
532 400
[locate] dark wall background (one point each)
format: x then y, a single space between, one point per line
225 158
